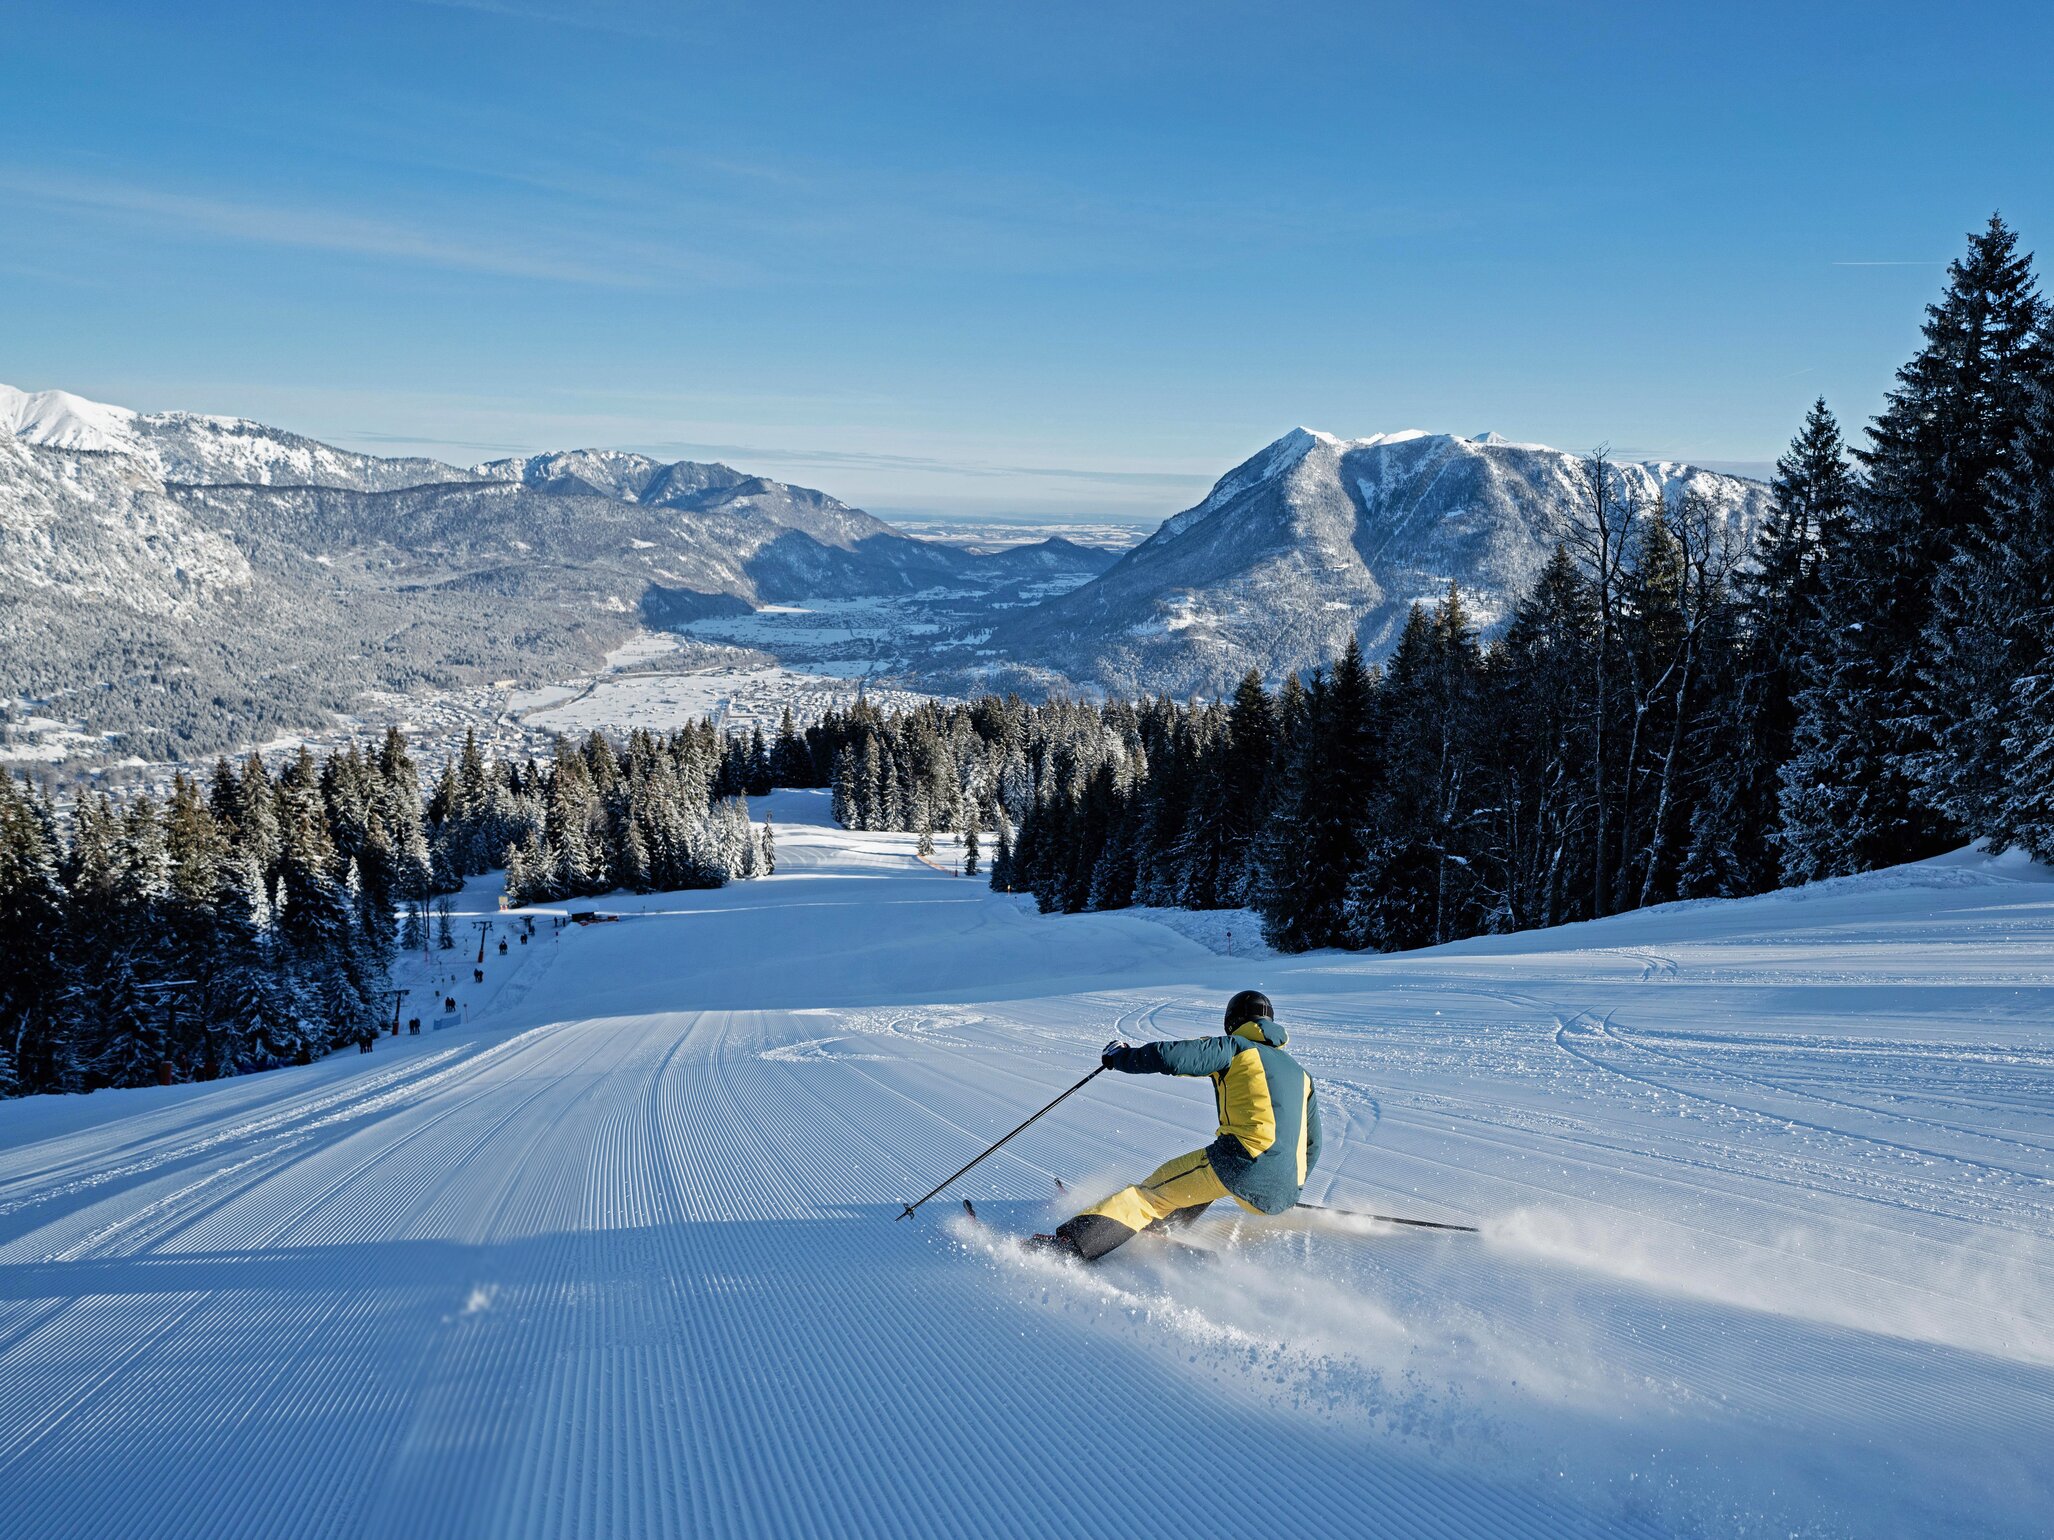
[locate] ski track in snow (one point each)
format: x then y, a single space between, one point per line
1765 1191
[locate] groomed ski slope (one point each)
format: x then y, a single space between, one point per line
1766 1189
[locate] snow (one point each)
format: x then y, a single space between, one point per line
1766 1187
663 702
57 419
661 681
1175 612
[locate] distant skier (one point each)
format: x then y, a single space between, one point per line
1268 1135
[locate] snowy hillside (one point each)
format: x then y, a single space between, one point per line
192 447
103 529
183 583
1315 539
1766 1190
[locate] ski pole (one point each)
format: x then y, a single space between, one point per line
1390 1219
1080 1085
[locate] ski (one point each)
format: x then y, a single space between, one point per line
1157 1238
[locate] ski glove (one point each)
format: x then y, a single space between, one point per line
1105 1054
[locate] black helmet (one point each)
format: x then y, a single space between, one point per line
1249 1005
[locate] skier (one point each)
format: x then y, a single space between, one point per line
1268 1135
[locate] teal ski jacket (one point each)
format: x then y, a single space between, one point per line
1269 1135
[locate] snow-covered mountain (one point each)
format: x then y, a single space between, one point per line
190 447
1315 539
100 527
176 573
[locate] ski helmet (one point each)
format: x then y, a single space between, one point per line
1249 1005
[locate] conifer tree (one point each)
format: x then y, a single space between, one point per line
256 816
249 1021
1414 883
1780 633
35 1033
224 796
1314 842
846 796
1002 854
760 778
791 764
1996 768
1870 721
1543 820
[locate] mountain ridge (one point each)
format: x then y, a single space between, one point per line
1315 539
196 582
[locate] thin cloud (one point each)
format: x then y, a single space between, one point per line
309 228
414 440
752 456
858 459
590 16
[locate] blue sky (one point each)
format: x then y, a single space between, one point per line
990 259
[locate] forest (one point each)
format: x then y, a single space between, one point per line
254 921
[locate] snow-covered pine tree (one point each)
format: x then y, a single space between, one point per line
256 816
842 789
125 1031
770 846
1733 840
398 805
971 851
36 1035
873 798
473 804
1002 854
223 796
921 817
317 928
248 1021
632 867
897 807
196 851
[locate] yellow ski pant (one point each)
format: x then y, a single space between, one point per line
1186 1182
